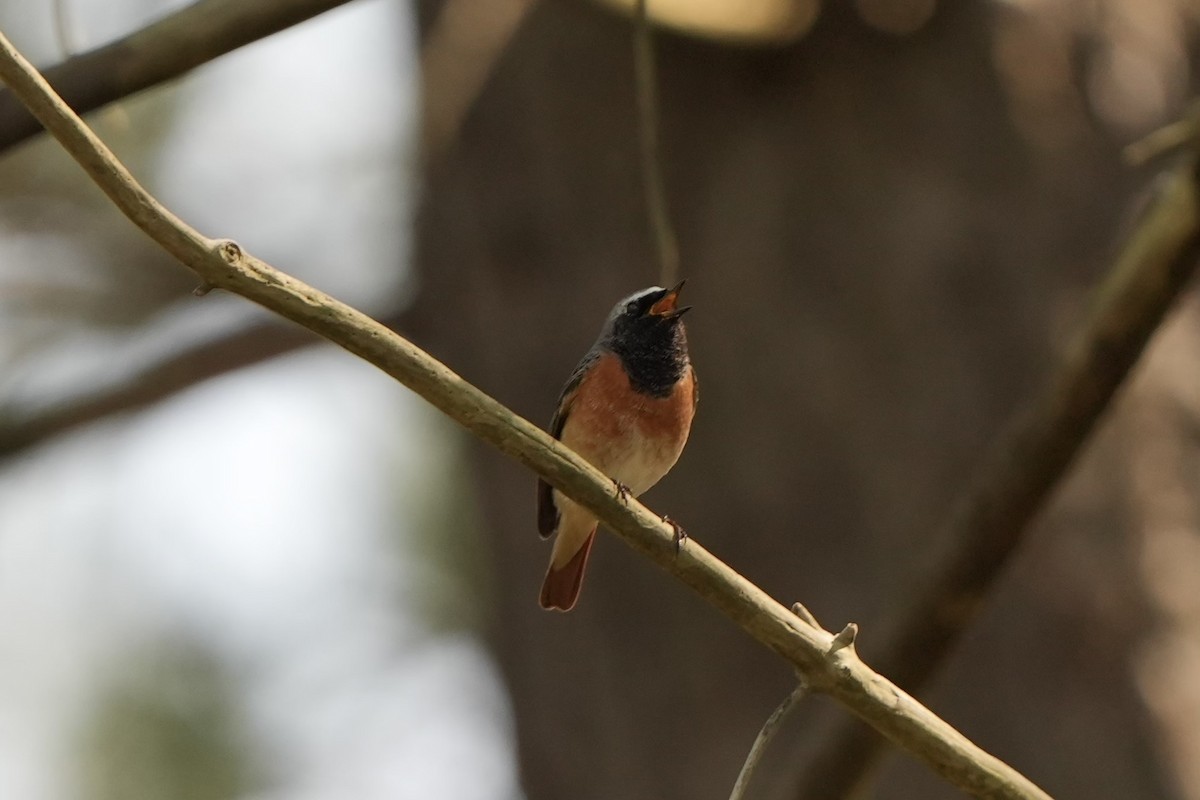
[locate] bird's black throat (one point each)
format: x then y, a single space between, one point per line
655 355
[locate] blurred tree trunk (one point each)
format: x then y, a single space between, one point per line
881 266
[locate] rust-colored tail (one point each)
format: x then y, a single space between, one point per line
561 587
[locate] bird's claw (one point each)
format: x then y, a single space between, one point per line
623 492
680 534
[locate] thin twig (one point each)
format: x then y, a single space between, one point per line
768 731
989 521
801 611
845 638
781 713
224 265
646 89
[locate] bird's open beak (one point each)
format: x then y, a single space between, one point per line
667 306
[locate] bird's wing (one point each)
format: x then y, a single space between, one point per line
547 513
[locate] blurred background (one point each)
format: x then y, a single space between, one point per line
235 563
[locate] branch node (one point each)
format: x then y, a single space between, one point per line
801 611
230 252
844 639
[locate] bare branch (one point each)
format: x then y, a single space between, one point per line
988 523
223 264
765 735
777 718
156 53
23 427
458 55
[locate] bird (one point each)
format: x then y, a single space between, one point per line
627 409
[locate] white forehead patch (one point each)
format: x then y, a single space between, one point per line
619 307
642 293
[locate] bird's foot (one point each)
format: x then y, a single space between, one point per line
623 492
680 534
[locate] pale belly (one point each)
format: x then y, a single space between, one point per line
637 462
630 457
640 462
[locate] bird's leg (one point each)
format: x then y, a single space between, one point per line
680 534
623 492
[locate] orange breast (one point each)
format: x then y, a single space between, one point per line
633 437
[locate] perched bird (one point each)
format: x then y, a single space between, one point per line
627 409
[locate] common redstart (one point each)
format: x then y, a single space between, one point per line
627 409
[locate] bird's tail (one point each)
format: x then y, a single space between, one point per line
564 577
